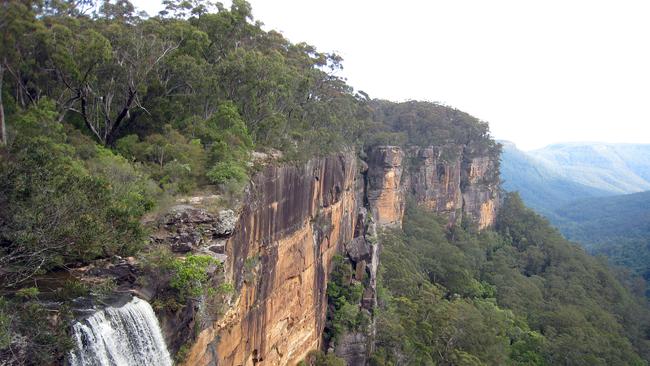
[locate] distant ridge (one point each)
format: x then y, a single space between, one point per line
596 194
560 173
542 186
615 168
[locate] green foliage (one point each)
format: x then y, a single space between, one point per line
5 325
182 353
577 289
527 347
31 333
39 120
132 191
158 259
319 358
229 143
578 188
190 275
184 279
228 170
250 268
72 289
100 104
176 162
82 210
27 293
104 288
66 202
227 128
519 296
426 124
225 288
344 295
155 89
615 226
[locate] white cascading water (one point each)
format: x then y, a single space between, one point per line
122 336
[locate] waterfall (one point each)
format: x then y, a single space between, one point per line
120 336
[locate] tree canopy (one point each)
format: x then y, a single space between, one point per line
520 295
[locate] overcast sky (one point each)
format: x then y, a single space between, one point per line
538 71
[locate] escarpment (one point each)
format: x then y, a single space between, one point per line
296 218
446 179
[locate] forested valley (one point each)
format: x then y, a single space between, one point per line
519 295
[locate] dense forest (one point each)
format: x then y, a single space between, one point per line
107 115
595 216
617 227
519 295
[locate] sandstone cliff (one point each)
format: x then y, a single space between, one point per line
443 179
296 218
386 193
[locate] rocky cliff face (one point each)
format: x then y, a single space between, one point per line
293 222
435 177
480 188
442 179
386 191
296 218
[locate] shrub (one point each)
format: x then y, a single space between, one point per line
29 334
225 171
176 162
191 275
78 215
344 296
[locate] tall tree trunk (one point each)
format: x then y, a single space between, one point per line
3 130
111 134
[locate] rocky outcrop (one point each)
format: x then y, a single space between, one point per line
353 348
435 177
480 193
362 253
444 179
386 191
187 228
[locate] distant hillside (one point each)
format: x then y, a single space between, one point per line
616 168
578 187
617 227
542 187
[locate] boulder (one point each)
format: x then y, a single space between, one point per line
358 249
225 223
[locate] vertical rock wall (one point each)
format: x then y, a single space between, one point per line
441 179
480 194
295 219
386 191
435 179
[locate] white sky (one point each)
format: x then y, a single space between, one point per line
538 71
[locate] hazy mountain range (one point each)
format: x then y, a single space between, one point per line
596 194
550 177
